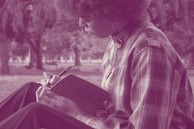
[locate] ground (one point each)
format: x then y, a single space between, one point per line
21 75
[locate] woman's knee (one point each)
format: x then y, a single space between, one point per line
37 109
31 85
35 106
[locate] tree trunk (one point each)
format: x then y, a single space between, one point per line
36 56
162 15
184 9
32 57
77 56
159 4
4 55
39 56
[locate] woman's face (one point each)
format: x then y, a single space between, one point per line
98 25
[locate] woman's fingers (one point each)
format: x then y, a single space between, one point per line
54 79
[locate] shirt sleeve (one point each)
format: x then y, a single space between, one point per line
150 90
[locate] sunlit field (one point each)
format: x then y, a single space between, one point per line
20 75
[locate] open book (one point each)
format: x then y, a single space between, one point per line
88 97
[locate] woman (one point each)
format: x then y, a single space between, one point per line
142 74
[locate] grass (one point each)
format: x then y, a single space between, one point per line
20 75
10 83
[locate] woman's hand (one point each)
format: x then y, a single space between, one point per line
46 82
49 79
45 96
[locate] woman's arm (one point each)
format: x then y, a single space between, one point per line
151 89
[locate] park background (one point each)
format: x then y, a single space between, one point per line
44 35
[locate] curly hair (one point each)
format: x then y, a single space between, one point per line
112 8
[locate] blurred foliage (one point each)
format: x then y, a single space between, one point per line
175 18
55 24
66 36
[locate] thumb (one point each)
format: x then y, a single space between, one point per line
38 91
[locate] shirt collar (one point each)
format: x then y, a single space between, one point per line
121 38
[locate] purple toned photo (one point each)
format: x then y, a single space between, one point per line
144 83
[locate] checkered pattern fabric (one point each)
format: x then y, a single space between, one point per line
144 79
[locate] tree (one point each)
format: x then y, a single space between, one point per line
38 16
8 28
66 37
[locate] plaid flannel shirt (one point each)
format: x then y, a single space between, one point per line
143 82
